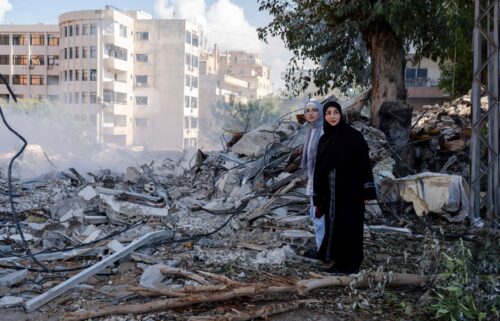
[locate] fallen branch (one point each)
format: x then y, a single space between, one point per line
301 287
259 312
185 273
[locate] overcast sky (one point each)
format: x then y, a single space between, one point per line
231 24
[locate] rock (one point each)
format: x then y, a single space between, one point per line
296 222
10 301
255 142
72 214
152 277
297 238
271 257
88 193
132 175
13 278
229 181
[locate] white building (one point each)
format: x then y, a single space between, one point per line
133 78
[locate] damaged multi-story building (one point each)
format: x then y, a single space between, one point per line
131 78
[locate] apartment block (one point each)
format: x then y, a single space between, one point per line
29 61
421 81
133 78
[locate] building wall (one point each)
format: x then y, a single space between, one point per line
421 81
28 62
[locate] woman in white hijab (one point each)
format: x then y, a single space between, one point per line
313 112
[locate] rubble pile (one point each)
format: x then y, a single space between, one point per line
220 226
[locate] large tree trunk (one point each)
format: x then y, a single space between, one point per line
388 65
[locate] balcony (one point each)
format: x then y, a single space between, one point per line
421 82
115 85
115 108
114 63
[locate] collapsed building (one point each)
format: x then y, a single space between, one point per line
220 235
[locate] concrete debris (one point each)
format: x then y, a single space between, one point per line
238 212
13 278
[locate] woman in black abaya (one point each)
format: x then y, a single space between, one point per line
343 182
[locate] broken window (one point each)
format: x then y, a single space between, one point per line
141 100
37 60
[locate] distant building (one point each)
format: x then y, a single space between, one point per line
231 77
134 78
421 81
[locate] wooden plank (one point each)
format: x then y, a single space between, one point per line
36 302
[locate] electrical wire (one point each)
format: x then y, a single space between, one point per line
9 179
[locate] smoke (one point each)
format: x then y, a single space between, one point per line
56 142
5 6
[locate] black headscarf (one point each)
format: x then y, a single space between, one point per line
329 150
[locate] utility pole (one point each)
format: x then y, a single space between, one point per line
485 140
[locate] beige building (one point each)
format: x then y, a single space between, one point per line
233 77
134 79
421 81
29 61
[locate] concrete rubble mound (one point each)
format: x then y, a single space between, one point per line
228 224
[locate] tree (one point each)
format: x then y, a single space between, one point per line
456 69
346 38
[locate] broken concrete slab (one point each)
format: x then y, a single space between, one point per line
255 142
10 301
132 175
229 181
271 257
13 278
152 277
126 212
87 193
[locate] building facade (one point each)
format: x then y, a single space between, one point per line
134 79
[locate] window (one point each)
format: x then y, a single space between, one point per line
141 100
188 37
194 102
77 74
65 31
187 100
36 80
4 97
186 122
65 75
141 80
188 59
85 29
77 30
85 97
93 51
85 75
19 40
143 35
65 53
107 96
70 52
77 97
117 52
4 59
422 73
141 58
93 97
70 74
70 98
123 31
194 122
52 80
195 40
37 39
70 29
7 78
37 60
194 61
188 80
53 60
93 29
53 98
52 40
93 75
77 52
194 82
186 143
84 52
4 40
20 79
141 122
20 59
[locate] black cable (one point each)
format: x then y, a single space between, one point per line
9 179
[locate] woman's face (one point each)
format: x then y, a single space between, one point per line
312 114
332 116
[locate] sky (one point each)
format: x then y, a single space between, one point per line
231 24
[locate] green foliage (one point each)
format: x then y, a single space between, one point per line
456 69
238 117
336 35
462 292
